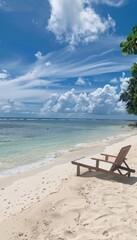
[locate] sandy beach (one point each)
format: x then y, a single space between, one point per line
51 203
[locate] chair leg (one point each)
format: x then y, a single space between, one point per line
78 170
89 169
129 174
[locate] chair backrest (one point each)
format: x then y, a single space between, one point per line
121 156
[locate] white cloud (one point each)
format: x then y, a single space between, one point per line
10 106
123 82
82 82
114 80
46 75
4 74
120 108
113 3
75 21
16 108
64 64
4 70
38 55
48 64
101 101
104 100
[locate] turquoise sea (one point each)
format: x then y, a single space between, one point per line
31 142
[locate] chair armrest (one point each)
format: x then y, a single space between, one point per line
97 159
74 161
104 154
108 155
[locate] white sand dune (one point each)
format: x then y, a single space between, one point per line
54 204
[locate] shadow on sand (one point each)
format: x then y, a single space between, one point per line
107 177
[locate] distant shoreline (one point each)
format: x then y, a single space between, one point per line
51 118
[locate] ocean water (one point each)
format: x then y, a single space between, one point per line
29 143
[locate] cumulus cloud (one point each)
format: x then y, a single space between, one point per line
48 72
123 82
101 101
10 106
52 72
120 108
75 21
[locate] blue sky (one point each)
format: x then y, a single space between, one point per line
61 58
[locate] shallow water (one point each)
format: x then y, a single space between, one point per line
27 143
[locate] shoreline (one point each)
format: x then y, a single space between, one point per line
55 204
89 149
51 174
26 196
61 153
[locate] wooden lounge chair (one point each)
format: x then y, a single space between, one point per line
117 167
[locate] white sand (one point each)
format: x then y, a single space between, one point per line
55 204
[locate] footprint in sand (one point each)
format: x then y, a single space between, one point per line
21 234
105 233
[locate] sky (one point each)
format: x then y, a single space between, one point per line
61 58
